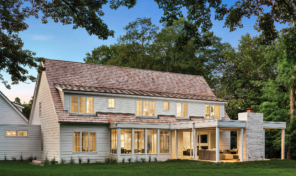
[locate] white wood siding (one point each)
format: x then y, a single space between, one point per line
128 105
48 120
14 146
102 142
9 115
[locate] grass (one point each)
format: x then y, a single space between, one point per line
173 167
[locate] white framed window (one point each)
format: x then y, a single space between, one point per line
145 108
212 112
84 142
164 139
10 133
182 110
82 105
111 103
166 106
21 133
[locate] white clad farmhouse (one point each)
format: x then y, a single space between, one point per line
91 111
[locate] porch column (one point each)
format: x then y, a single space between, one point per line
283 144
145 142
194 144
133 144
118 143
263 144
241 145
217 144
176 144
170 143
158 144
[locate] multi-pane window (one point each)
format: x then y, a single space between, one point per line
151 141
126 141
74 104
10 133
111 103
76 141
89 105
82 105
139 108
17 133
166 106
182 110
84 141
164 139
114 141
146 108
22 133
212 112
139 140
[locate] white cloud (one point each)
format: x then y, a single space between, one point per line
41 37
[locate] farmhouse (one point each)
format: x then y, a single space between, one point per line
93 111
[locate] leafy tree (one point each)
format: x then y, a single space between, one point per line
17 100
27 106
245 71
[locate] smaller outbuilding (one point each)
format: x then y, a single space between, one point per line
18 139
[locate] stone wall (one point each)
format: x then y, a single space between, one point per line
253 137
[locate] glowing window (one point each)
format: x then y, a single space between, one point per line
146 108
181 110
74 104
22 133
111 103
166 106
89 105
10 133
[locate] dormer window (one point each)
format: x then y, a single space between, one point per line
212 112
82 104
111 103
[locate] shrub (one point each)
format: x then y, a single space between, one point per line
155 159
129 160
30 158
88 160
63 161
149 159
123 160
72 161
143 160
79 160
21 157
13 158
110 160
5 158
53 161
35 158
46 162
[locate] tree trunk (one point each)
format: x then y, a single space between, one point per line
292 113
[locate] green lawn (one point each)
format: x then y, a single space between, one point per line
174 167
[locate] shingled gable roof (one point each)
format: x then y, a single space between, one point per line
110 79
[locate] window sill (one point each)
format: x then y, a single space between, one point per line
81 114
147 117
110 108
90 153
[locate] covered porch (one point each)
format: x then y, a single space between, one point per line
207 140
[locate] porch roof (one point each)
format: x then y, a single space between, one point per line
206 124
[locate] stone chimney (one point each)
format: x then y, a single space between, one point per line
253 137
